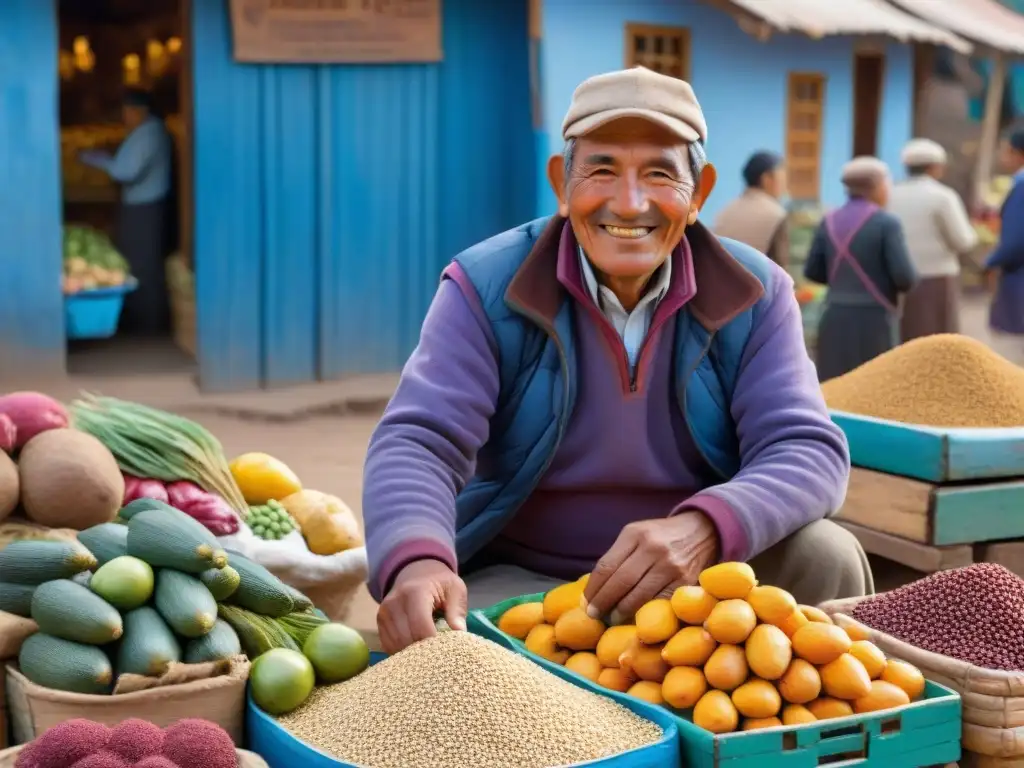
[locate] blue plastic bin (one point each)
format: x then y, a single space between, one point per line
94 314
923 733
282 750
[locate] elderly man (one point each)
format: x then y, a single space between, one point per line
610 390
1006 316
758 217
938 232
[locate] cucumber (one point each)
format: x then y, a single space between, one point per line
167 538
221 642
65 666
185 603
16 599
106 541
70 611
33 562
301 602
222 582
259 590
148 646
132 508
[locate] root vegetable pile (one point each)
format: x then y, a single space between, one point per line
974 614
736 654
946 380
458 699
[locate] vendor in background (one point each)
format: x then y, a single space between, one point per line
143 167
1006 316
938 232
757 217
612 390
860 253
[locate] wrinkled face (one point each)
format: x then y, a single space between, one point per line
629 195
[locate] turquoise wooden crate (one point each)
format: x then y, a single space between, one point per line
930 453
924 733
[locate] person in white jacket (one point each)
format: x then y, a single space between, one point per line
938 232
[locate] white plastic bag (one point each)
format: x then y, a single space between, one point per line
330 581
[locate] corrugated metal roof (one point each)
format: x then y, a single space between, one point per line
986 22
819 18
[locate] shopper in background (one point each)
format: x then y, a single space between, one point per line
142 166
938 231
1006 316
757 217
860 253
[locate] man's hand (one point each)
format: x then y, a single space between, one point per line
422 587
650 559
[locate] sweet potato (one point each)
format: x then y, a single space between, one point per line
8 434
10 485
32 413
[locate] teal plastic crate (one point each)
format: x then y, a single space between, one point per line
924 733
282 750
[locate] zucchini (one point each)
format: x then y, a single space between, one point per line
16 599
106 541
221 642
168 538
222 582
148 647
33 562
300 601
65 666
70 611
185 603
259 590
132 508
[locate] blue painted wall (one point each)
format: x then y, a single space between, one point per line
329 198
31 305
740 82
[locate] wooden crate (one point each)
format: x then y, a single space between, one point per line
933 514
930 454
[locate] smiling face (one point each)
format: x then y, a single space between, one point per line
629 195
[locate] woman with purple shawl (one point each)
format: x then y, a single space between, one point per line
860 253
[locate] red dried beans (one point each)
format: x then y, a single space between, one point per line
974 614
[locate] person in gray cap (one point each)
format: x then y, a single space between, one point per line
859 252
938 233
612 391
758 217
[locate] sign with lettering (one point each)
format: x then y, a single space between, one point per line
336 31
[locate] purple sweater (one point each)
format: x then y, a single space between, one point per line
626 456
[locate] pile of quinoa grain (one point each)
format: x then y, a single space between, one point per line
974 614
459 701
946 380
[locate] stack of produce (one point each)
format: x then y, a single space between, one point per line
91 261
80 743
739 655
945 380
208 508
163 592
459 700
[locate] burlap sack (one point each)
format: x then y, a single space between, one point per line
993 701
219 698
245 759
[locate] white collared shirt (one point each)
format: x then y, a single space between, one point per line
632 327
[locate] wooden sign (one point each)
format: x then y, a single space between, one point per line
336 31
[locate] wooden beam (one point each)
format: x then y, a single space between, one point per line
920 557
990 126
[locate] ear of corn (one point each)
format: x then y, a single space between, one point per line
258 634
300 625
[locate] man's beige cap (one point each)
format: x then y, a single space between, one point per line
923 152
864 169
637 92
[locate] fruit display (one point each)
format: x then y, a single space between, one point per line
91 261
734 654
270 521
158 590
326 522
262 478
986 219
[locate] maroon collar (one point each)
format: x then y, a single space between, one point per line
721 287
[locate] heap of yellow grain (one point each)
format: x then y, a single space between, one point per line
945 380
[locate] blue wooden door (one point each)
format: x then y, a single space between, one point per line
31 305
329 198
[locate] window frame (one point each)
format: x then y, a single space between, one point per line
632 30
796 165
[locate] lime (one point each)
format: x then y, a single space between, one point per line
337 652
125 582
281 679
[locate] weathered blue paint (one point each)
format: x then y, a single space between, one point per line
329 198
31 305
741 83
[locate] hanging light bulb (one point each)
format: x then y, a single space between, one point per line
81 45
173 45
132 69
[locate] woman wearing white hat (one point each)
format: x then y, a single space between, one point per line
938 232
